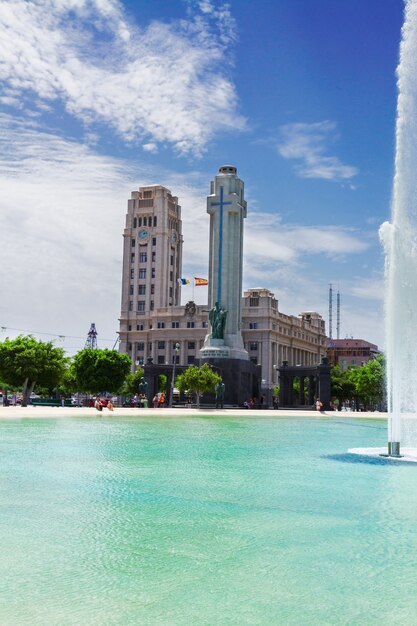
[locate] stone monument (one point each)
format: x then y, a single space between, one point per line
227 209
223 346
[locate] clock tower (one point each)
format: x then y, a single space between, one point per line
152 255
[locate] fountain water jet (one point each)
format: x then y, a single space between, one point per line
399 238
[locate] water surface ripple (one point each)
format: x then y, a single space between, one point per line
203 520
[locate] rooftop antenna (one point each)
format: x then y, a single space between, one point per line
91 338
338 314
330 311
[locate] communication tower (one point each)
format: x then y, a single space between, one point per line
91 338
338 314
330 311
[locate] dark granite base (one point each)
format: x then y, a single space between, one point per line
242 380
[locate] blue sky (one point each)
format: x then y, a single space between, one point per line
99 97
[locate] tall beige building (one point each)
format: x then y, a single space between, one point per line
152 319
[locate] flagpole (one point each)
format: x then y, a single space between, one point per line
192 295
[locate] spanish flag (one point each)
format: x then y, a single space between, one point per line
200 282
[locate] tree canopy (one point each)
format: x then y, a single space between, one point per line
100 370
132 382
26 361
360 385
198 380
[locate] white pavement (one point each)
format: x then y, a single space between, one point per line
18 412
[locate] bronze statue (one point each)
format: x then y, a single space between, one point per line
219 389
217 317
143 386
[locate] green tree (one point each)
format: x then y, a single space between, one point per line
198 380
131 385
100 370
25 362
342 385
369 382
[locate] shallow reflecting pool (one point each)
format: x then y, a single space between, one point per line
204 521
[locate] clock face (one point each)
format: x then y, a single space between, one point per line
143 234
174 237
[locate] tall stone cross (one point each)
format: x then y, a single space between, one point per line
227 209
220 204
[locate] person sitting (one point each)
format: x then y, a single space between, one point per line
98 404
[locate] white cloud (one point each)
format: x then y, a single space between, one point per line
163 83
307 144
269 239
150 147
62 212
367 288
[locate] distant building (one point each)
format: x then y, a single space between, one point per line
152 319
350 352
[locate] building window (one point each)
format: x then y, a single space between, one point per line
129 327
176 358
254 301
140 221
154 221
253 345
142 290
129 346
172 259
154 241
143 257
204 325
171 276
132 257
253 325
254 359
161 359
135 222
142 272
140 346
152 289
161 345
191 345
141 305
170 292
132 274
153 257
153 273
131 290
161 325
190 359
139 326
152 305
150 346
133 243
145 221
131 306
175 324
190 325
147 194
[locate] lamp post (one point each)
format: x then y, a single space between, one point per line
275 383
171 395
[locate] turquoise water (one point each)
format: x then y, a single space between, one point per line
204 521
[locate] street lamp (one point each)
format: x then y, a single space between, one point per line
171 395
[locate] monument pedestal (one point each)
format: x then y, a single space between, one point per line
242 379
215 349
